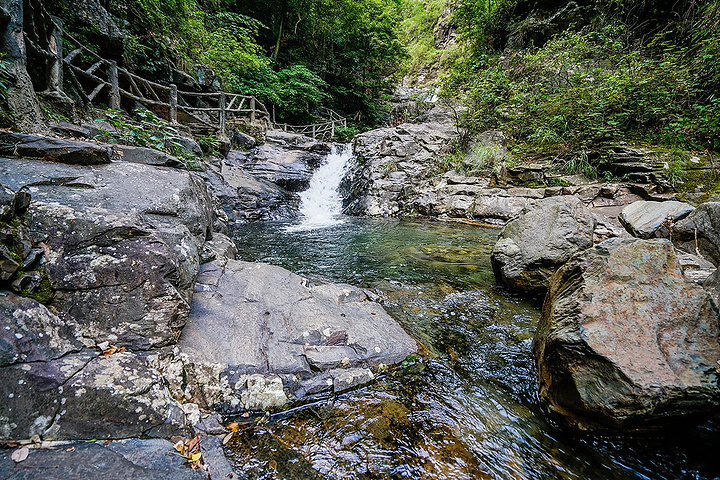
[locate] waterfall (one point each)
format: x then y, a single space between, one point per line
321 204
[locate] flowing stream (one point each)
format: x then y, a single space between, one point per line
469 409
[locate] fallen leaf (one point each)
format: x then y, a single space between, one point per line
20 454
103 345
113 350
233 427
193 443
227 438
71 449
180 446
196 457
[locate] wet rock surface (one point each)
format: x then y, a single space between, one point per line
258 328
533 245
625 342
141 459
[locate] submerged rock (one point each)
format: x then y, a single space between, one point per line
625 342
254 321
533 245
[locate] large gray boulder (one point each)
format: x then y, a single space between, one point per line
116 248
646 219
625 342
122 243
700 232
543 237
258 332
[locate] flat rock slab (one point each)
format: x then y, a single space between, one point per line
646 219
54 149
140 459
260 320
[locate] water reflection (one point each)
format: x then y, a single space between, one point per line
469 409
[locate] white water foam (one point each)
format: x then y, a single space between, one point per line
321 204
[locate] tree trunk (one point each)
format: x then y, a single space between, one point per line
21 99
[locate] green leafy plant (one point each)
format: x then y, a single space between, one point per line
4 76
146 130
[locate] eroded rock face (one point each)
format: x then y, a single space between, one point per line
700 231
263 183
625 341
118 247
646 219
533 245
122 245
393 162
251 321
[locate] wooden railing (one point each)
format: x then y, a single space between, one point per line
212 110
319 131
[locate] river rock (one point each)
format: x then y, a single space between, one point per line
253 321
625 342
54 149
645 219
700 232
151 459
533 245
31 333
393 162
122 243
289 168
244 197
83 396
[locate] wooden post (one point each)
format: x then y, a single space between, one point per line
173 104
332 130
55 81
222 101
252 110
313 131
114 87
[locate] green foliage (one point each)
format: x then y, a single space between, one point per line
4 77
209 144
147 130
299 90
582 89
480 159
345 134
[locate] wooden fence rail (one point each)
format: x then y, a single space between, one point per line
319 131
212 110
